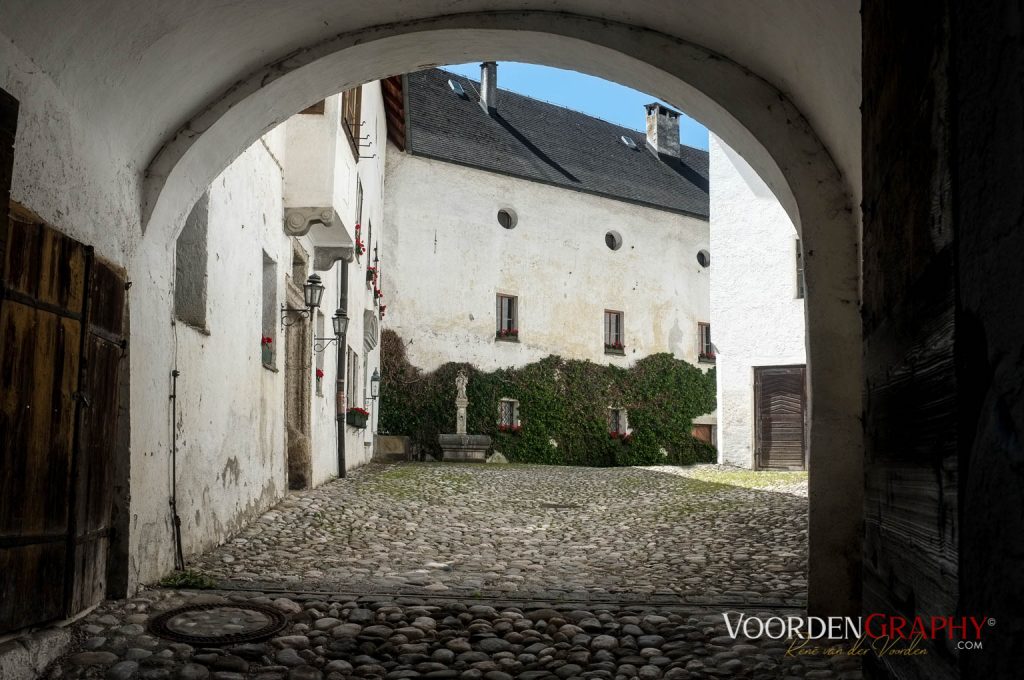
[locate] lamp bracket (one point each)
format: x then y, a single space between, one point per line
320 344
296 314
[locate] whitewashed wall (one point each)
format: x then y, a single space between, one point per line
756 317
232 457
450 258
309 137
230 407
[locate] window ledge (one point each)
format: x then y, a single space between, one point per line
270 367
705 360
616 352
202 330
507 338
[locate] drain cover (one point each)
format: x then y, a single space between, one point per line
212 625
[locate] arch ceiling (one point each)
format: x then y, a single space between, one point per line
144 71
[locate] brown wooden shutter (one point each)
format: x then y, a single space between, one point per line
780 399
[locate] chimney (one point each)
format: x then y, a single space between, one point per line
489 86
662 129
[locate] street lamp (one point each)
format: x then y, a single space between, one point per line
375 384
312 292
340 323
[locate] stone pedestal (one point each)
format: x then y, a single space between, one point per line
464 448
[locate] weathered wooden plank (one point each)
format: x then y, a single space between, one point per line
97 434
30 580
44 265
8 127
38 377
106 298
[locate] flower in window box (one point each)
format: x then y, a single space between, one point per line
383 308
356 417
360 246
517 428
614 434
266 340
707 356
319 373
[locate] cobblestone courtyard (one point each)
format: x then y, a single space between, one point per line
490 573
539 531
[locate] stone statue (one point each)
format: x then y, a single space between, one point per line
461 402
460 446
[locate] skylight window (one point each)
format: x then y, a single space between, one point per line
457 88
628 141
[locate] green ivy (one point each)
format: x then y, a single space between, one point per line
561 401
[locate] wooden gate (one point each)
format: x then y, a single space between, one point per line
780 406
61 314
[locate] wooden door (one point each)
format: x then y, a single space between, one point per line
60 344
780 406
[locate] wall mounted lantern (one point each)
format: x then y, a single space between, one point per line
312 291
375 384
340 323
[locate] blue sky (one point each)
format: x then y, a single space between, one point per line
601 98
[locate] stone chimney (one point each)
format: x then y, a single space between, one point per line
489 86
662 129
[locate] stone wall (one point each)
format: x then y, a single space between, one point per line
451 258
756 317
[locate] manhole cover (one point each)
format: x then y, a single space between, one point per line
218 624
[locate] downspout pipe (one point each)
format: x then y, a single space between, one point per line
339 397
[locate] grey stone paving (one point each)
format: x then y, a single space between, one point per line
698 533
655 541
369 638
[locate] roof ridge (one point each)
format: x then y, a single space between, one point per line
565 108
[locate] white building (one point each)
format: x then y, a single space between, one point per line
518 229
256 404
757 311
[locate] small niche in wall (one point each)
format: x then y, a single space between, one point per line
613 240
507 218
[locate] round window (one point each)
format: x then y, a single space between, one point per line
613 240
506 218
704 258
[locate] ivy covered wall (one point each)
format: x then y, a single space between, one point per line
563 408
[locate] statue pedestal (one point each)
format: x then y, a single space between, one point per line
464 448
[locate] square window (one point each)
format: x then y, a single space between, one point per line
270 312
618 426
351 116
614 332
320 356
705 350
508 317
508 415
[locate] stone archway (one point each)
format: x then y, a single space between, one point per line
787 102
747 112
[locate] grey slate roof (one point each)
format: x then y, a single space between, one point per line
546 143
